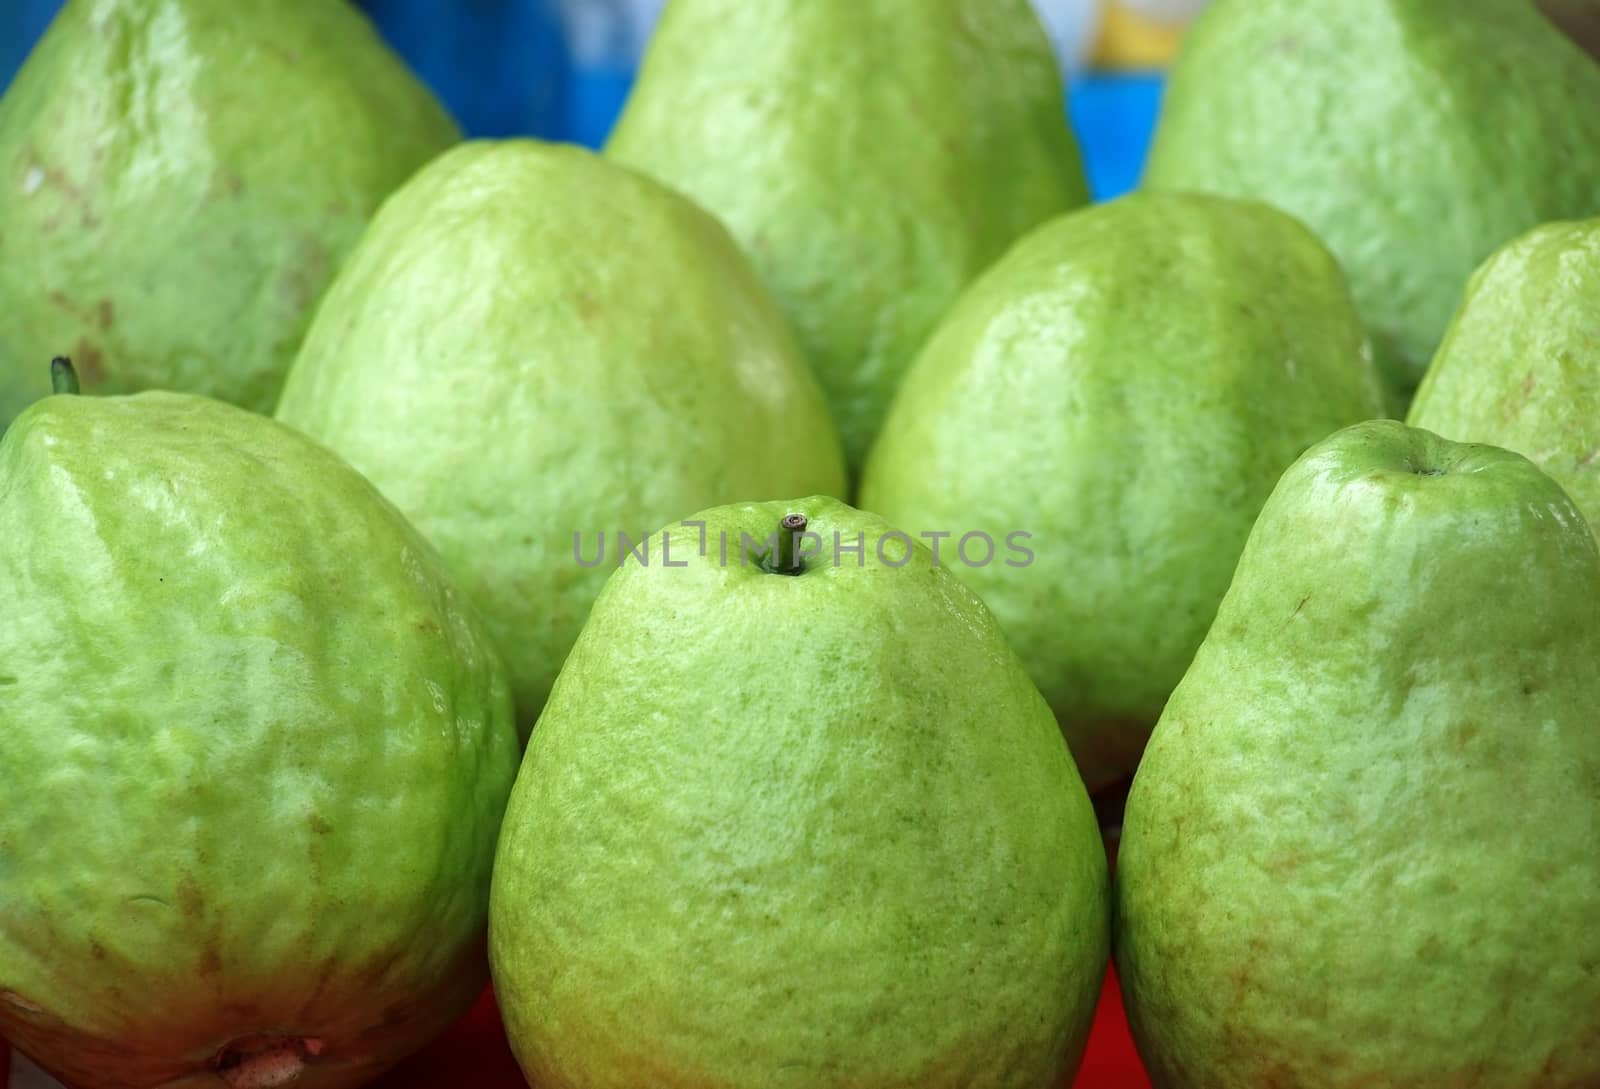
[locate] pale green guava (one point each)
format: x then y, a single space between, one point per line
254 750
1520 365
1363 847
807 831
1414 136
872 158
179 180
1118 396
535 352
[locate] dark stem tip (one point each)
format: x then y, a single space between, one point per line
63 376
788 560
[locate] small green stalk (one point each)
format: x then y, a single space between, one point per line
787 560
63 378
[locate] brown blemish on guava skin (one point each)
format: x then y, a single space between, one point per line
401 1014
211 958
1177 832
319 826
1431 948
1300 605
190 902
226 184
1279 1076
326 975
1285 864
376 974
1587 460
1515 402
88 358
57 179
368 979
304 278
102 315
1243 975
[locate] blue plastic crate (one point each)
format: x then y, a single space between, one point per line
1115 116
500 66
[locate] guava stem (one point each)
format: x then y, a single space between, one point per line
788 560
63 377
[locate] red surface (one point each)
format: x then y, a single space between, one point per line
475 1053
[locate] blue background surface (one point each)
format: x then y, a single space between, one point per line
503 68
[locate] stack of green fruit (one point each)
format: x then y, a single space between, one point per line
806 795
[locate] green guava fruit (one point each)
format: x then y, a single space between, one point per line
1414 136
1123 390
181 179
536 353
796 822
872 156
255 751
1361 848
1520 365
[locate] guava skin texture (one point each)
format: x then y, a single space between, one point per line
1414 136
872 156
1125 386
179 179
810 831
533 343
1363 847
1520 366
254 751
